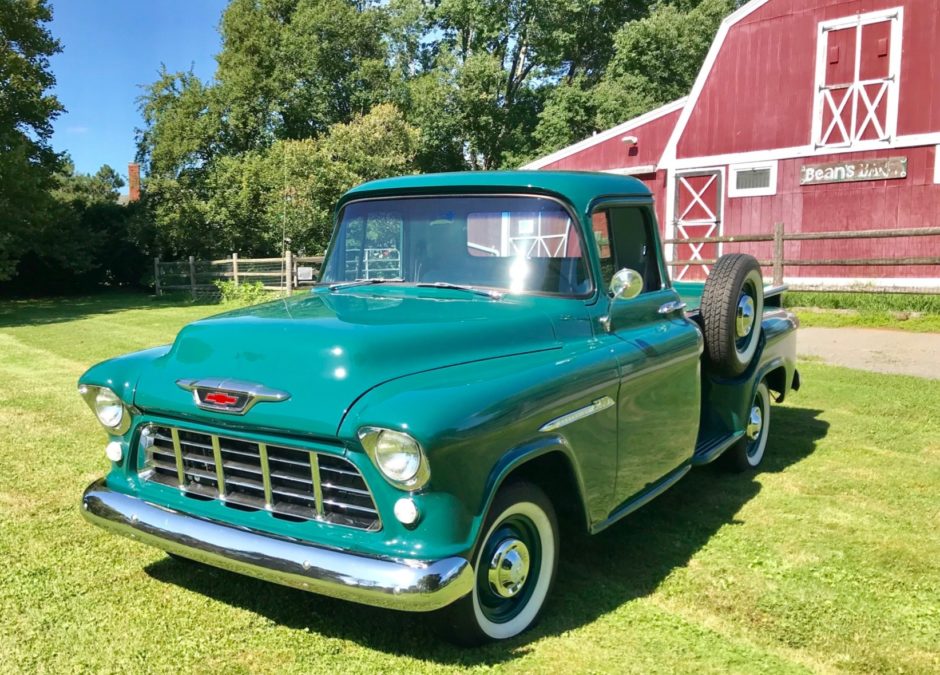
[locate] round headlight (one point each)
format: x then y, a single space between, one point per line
109 408
397 455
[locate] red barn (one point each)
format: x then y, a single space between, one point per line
820 114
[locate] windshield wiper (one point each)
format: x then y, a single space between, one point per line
493 295
360 282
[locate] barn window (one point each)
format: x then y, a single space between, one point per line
858 60
753 180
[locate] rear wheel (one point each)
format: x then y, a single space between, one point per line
514 563
748 452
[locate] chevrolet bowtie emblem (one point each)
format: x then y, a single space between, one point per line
230 396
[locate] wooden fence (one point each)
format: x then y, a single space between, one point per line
778 261
197 276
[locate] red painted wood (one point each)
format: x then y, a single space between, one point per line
760 96
760 91
616 154
888 204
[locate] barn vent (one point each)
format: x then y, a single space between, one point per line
752 179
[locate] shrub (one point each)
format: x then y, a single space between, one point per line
243 293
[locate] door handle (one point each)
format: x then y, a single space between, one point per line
671 306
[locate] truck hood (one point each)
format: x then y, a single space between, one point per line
327 349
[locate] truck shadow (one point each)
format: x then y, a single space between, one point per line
596 574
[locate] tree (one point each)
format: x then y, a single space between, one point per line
663 52
655 60
506 50
85 237
290 68
251 201
27 161
312 96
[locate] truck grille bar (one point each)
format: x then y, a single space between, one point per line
290 483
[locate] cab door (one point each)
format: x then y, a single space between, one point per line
657 350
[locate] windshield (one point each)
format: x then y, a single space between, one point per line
518 244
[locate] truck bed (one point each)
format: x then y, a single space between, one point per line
691 294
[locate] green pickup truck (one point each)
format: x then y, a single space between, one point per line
486 356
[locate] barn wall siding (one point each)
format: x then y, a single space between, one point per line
756 104
615 154
760 92
889 204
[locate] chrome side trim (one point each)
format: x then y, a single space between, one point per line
579 414
412 585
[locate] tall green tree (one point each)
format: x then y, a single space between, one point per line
652 60
508 50
312 96
27 109
291 68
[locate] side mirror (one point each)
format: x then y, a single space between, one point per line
625 284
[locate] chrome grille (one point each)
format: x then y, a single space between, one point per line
290 483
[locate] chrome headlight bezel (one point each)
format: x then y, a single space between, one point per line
100 399
413 480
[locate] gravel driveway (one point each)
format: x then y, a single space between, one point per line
883 351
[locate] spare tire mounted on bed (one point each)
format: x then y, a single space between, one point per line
732 305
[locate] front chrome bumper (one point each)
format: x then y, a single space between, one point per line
412 585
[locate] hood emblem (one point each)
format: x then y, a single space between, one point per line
230 396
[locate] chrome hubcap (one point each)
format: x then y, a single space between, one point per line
744 319
754 423
509 568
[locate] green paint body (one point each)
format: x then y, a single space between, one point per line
471 378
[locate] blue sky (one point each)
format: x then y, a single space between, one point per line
110 47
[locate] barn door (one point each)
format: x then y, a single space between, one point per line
857 80
698 201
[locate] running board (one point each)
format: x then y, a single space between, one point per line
710 451
641 499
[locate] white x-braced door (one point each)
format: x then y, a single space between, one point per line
858 61
698 203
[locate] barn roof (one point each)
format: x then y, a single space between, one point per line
607 135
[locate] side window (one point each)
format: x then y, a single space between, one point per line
624 236
600 222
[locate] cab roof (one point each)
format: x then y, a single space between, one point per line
580 188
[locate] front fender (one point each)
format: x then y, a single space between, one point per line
478 422
122 373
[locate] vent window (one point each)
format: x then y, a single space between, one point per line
753 180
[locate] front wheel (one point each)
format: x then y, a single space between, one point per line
748 452
514 565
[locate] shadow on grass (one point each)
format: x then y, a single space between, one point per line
597 574
57 310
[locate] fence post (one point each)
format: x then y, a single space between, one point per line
192 275
235 268
289 267
156 276
778 254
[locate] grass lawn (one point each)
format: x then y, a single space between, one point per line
828 560
899 311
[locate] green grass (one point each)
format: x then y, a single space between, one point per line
828 560
900 311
